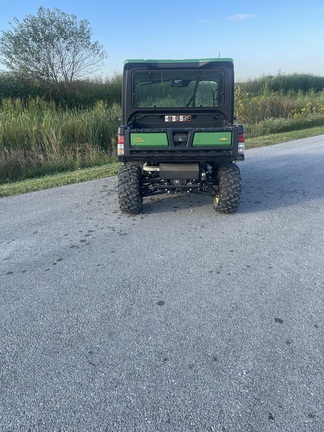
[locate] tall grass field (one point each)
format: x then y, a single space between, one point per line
267 113
40 135
37 138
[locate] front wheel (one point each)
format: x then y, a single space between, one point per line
227 198
129 189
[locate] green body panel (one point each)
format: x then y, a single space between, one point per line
148 139
212 139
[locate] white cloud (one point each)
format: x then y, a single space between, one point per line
240 17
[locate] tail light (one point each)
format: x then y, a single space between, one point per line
120 145
241 144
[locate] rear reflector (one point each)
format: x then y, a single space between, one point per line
241 138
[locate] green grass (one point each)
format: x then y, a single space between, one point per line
38 138
265 140
46 182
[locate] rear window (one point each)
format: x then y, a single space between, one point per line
178 88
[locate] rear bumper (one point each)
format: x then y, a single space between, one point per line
180 156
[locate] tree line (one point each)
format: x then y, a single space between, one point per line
80 94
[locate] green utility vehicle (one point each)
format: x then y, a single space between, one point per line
178 132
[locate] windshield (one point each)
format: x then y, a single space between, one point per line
178 88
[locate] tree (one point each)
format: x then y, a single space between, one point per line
51 47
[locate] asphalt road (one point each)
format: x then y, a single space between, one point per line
179 319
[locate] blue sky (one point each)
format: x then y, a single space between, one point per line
263 38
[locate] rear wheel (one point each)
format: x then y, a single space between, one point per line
227 198
129 189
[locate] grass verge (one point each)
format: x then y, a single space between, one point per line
265 140
46 182
111 169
